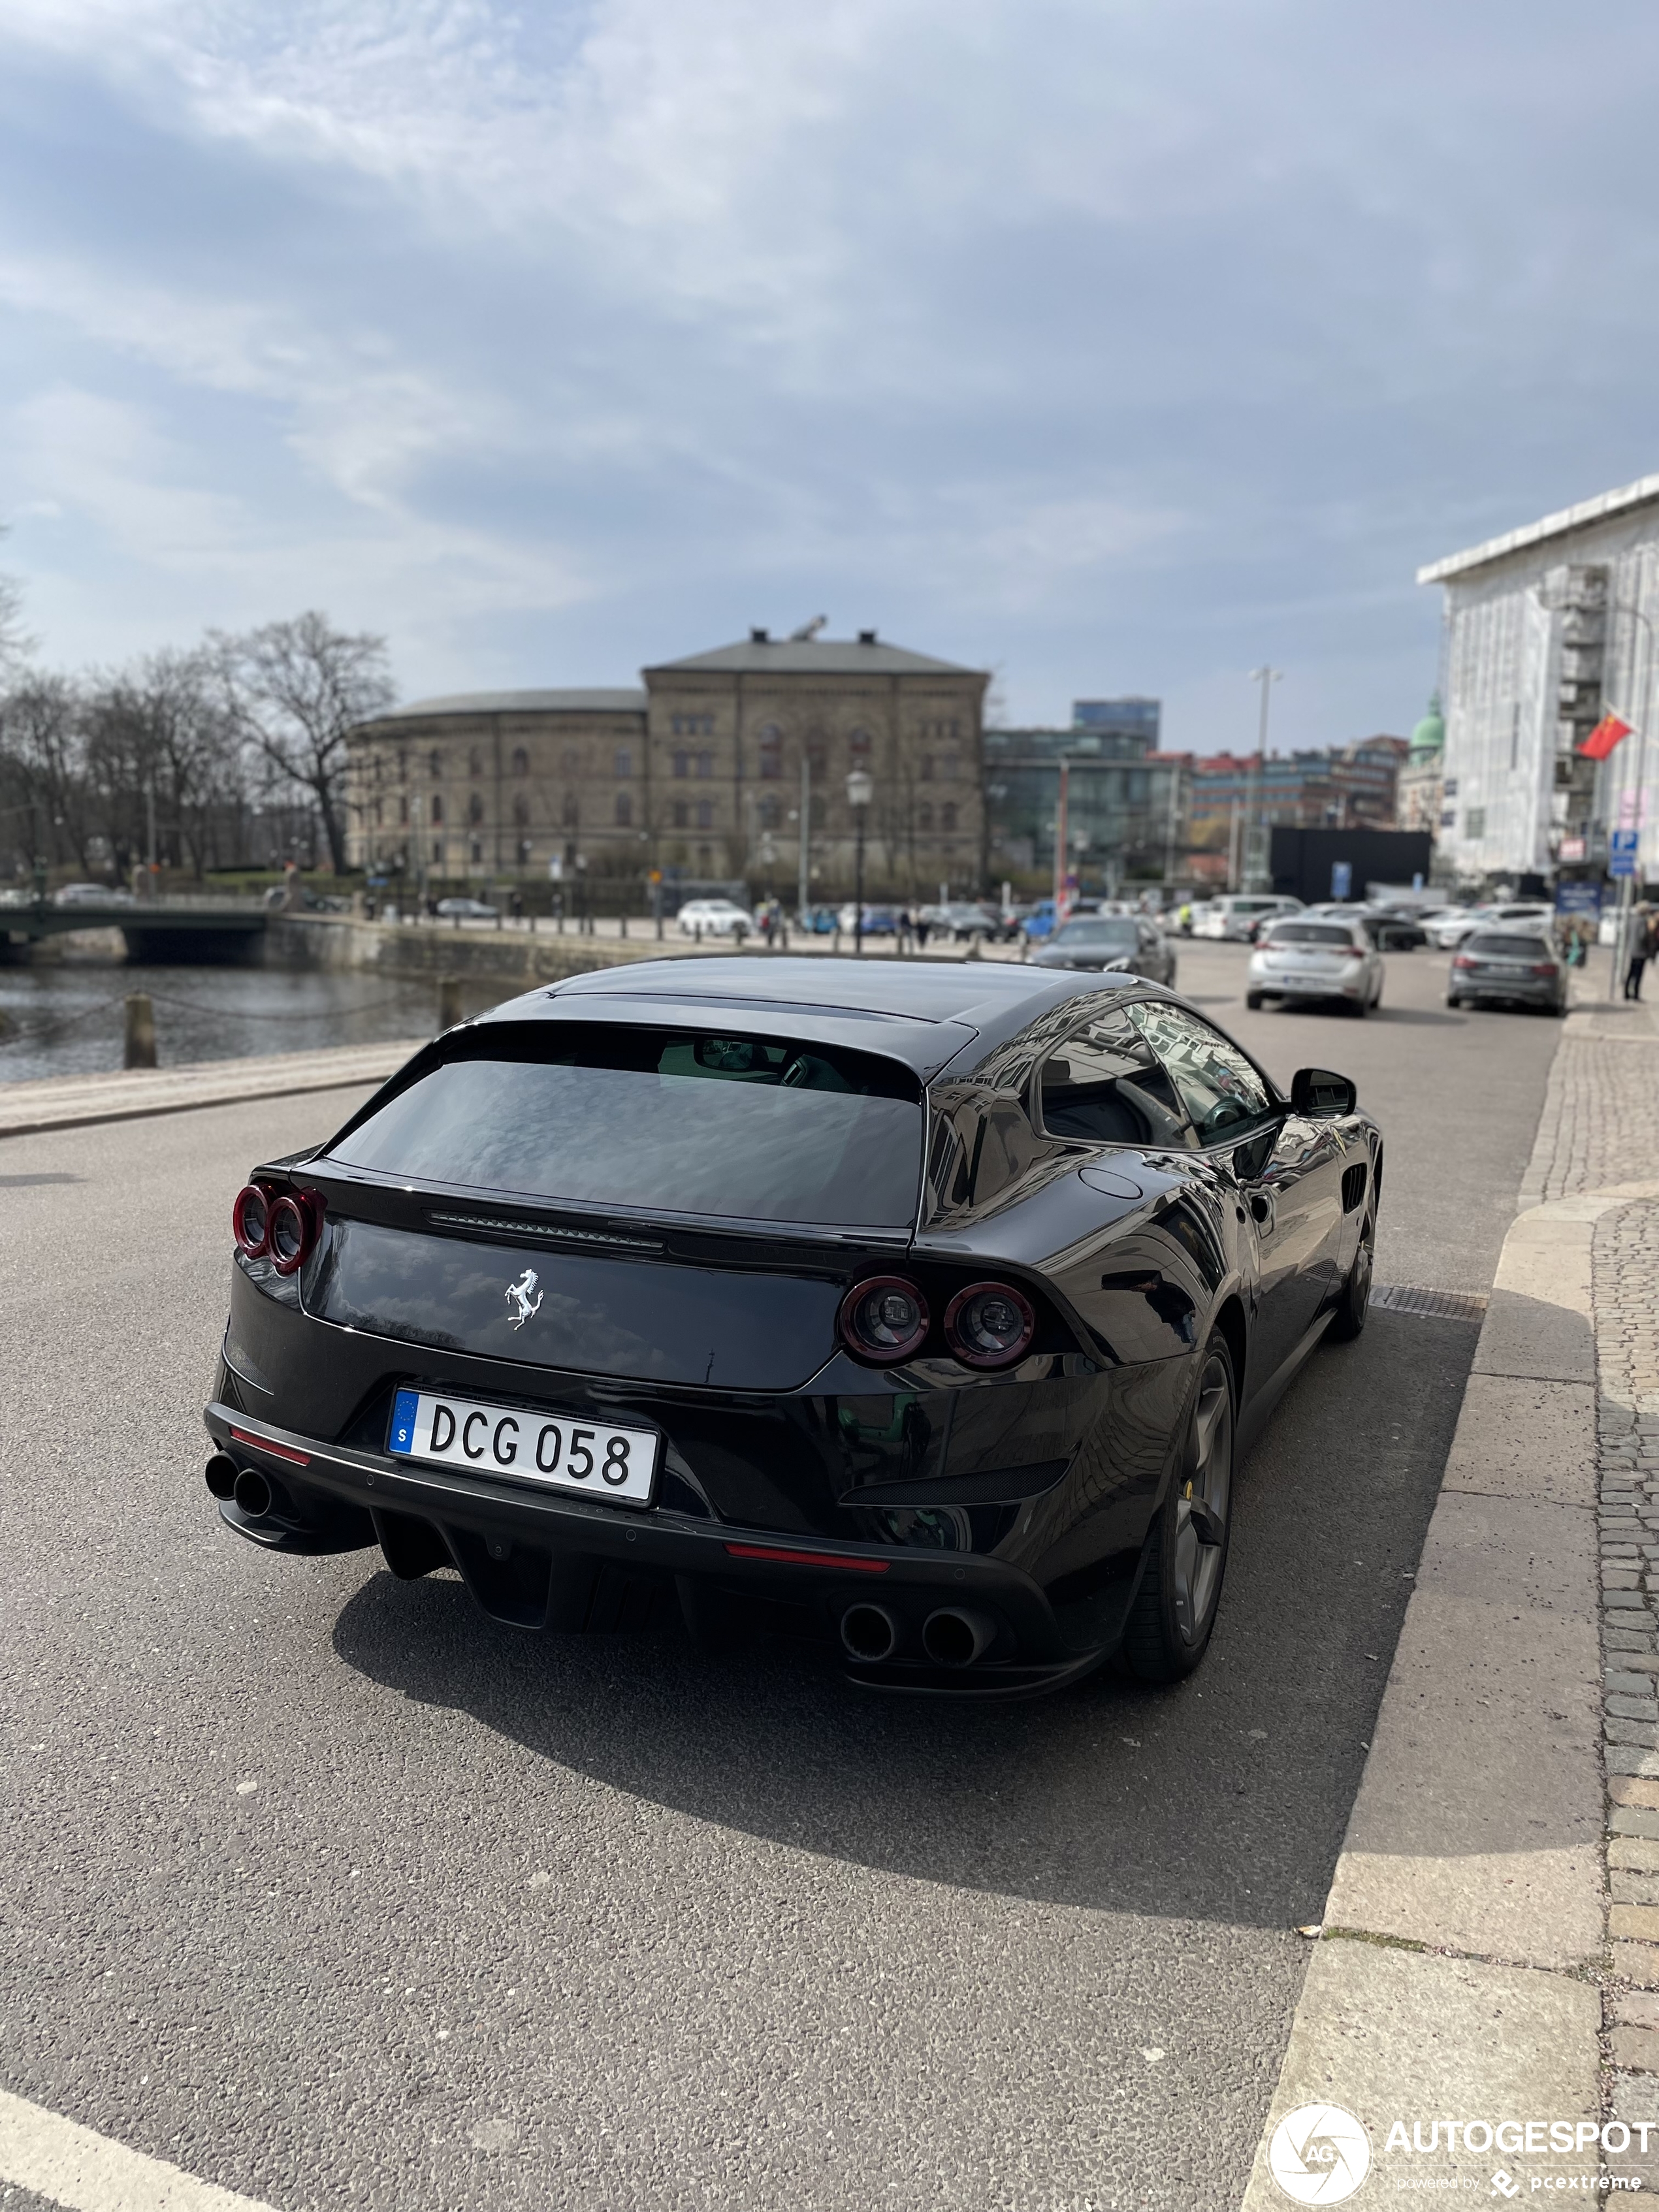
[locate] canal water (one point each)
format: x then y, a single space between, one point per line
67 1017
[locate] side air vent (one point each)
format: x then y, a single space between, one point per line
1353 1187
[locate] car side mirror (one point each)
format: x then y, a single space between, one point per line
1320 1094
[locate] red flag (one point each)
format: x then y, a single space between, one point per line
1604 736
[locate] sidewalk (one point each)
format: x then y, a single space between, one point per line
72 1102
1489 1950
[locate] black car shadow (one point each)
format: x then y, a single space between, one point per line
1223 1798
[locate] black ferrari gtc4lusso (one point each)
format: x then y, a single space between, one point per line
925 1308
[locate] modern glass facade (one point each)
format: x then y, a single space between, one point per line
1124 818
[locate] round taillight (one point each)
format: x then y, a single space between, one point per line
250 1219
989 1325
884 1319
292 1233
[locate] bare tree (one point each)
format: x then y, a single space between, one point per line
42 767
296 691
15 643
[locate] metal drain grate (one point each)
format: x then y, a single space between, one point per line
1430 1305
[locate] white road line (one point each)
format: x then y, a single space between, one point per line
74 2167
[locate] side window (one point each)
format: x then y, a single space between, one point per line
1104 1086
1220 1088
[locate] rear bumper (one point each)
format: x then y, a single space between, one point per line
537 1561
1511 994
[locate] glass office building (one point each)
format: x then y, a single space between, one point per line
1125 802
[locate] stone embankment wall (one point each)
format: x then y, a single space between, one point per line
415 949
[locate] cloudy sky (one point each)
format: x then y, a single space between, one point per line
1116 345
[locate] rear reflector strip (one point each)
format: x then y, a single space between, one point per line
808 1558
264 1443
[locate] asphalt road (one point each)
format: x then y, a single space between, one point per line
329 1890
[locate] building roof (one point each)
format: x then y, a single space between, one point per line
521 703
761 655
1642 493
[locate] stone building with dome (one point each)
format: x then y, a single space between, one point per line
1420 792
700 772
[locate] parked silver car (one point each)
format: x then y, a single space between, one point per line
1510 967
1308 963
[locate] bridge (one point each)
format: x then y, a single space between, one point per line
156 931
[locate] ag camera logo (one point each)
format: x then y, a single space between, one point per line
1319 2154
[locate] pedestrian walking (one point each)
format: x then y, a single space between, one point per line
1642 949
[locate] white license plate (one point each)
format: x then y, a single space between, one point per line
586 1458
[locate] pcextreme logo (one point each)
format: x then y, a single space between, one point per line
1319 2154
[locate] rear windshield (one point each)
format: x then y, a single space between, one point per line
759 1129
1310 933
1508 945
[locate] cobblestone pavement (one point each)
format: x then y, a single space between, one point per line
1598 1138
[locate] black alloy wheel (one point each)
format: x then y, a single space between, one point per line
1354 1303
1174 1608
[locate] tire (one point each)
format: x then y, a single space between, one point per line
1354 1303
1170 1623
1359 1008
1454 1002
1253 1000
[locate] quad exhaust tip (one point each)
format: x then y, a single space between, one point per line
221 1472
954 1637
869 1632
252 1494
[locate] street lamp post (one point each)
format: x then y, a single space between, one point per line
1254 825
860 790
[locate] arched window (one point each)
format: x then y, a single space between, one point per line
403 808
624 809
520 760
624 763
436 765
859 745
438 850
771 753
475 762
705 765
572 813
474 807
705 814
947 819
477 850
771 813
524 852
924 817
437 806
682 763
521 811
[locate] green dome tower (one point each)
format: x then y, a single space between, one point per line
1429 738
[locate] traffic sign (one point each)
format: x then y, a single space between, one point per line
1621 851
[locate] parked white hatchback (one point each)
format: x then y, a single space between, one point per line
1235 917
1308 963
714 917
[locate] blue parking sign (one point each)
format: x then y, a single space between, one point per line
1621 851
1341 879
